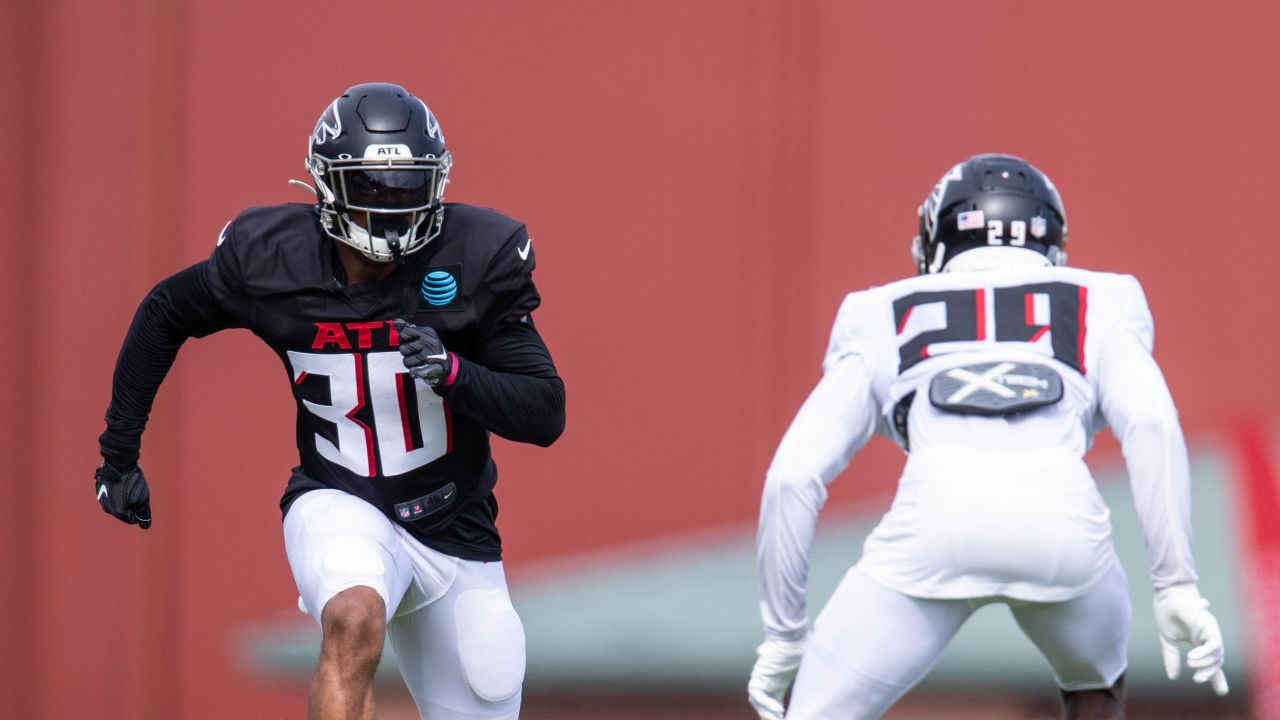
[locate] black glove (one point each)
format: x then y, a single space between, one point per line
124 493
424 354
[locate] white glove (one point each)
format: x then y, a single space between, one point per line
775 668
1182 615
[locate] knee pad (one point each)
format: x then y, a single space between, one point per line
490 644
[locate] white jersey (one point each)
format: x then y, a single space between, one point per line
987 505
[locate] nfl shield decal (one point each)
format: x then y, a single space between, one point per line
1038 227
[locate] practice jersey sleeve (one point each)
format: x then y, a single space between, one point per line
509 277
1137 405
835 421
194 302
854 332
512 387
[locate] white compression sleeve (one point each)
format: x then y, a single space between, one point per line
1138 407
835 421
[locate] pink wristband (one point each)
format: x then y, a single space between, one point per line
453 370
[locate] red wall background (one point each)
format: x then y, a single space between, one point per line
703 180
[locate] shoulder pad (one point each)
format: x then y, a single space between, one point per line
856 331
482 229
276 247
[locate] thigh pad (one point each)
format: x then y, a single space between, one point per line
490 644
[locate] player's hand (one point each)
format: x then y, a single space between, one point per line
424 353
1182 615
775 668
123 492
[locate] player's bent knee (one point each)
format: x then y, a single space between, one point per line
490 644
355 617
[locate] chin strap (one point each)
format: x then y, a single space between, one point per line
393 242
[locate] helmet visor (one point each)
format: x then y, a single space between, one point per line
394 190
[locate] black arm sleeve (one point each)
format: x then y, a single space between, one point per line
180 306
513 388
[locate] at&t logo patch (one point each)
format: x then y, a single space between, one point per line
440 286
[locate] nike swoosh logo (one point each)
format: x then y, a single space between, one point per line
524 252
442 356
102 491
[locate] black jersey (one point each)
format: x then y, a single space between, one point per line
365 425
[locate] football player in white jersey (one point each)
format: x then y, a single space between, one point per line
993 369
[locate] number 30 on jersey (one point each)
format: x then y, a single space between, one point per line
400 446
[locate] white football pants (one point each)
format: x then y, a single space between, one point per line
457 639
871 644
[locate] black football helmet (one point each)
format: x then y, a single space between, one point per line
379 162
990 200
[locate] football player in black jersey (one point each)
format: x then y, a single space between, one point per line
405 327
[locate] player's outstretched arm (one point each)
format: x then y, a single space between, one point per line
512 387
181 306
1136 403
835 421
